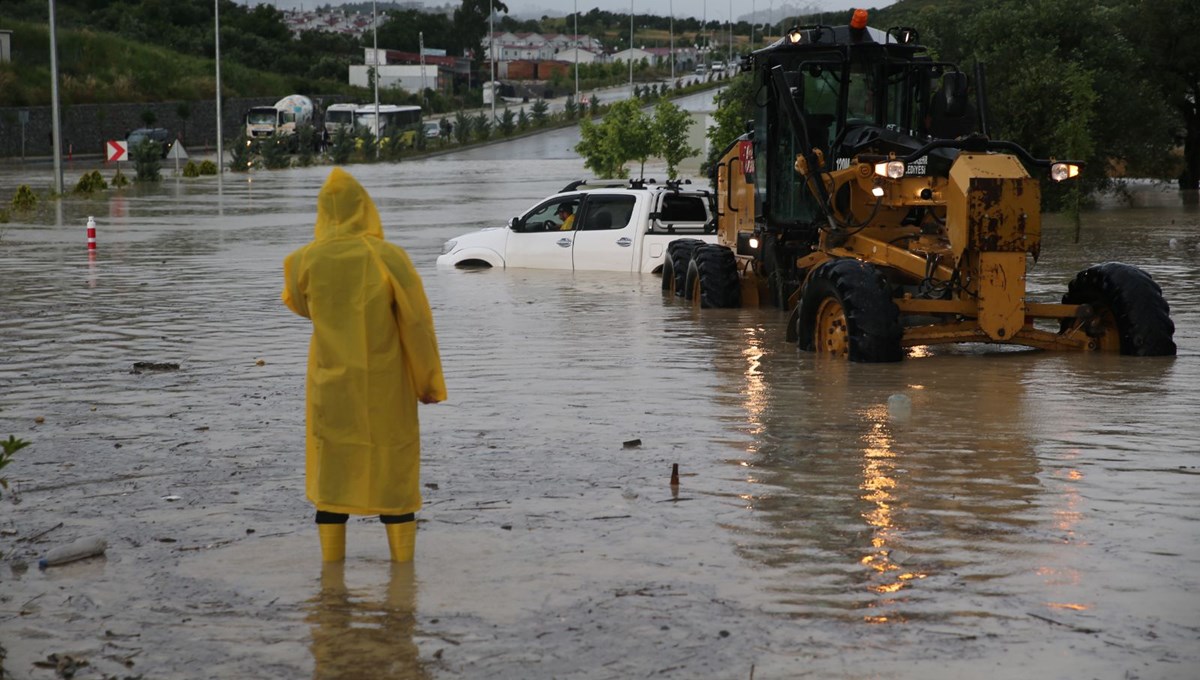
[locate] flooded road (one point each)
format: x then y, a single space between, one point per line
1035 518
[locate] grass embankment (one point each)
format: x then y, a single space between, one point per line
101 68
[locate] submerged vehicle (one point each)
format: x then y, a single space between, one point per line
599 225
869 200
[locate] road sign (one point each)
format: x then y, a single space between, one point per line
177 151
117 151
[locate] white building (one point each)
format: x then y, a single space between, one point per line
408 77
575 56
636 54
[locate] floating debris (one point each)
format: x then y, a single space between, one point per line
155 366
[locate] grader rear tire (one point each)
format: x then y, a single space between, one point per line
675 265
712 278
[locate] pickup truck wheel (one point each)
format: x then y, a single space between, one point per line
675 265
712 278
1129 314
846 312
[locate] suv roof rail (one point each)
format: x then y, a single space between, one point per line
631 183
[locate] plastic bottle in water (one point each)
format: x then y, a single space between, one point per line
84 547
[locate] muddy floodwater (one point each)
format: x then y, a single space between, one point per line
1037 515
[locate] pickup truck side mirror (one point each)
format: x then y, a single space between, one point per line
512 223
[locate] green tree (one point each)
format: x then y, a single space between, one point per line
471 25
1171 52
482 126
462 127
671 125
1042 57
522 120
625 134
507 122
538 112
735 106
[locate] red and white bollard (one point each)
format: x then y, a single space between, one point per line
91 233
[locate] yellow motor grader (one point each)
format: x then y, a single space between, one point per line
868 199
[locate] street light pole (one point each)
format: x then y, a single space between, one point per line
630 48
672 25
55 130
375 61
492 57
729 47
220 148
576 51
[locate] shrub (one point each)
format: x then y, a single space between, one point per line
242 153
208 168
7 449
274 152
341 147
90 182
191 169
147 158
24 199
120 180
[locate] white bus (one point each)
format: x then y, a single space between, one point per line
393 120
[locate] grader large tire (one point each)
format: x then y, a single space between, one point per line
712 278
846 311
675 264
1131 315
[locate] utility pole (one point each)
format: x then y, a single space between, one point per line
492 59
421 43
220 148
375 61
630 48
729 59
56 128
672 25
576 51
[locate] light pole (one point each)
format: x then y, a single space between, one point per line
492 57
375 61
672 27
55 130
630 48
729 57
576 51
220 148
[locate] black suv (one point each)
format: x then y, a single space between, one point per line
160 135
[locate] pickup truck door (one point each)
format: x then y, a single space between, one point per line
535 239
607 232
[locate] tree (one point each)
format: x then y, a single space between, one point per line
507 122
1172 56
734 108
1060 85
462 127
538 112
471 25
625 134
671 125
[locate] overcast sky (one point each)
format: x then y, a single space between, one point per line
767 10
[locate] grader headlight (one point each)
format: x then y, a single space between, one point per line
1060 172
890 169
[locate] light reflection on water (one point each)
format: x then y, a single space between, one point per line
1024 481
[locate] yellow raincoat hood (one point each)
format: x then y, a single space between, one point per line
373 353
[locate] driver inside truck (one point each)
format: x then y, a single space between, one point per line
567 215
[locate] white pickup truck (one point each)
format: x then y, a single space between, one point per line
611 226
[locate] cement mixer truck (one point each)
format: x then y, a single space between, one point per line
283 118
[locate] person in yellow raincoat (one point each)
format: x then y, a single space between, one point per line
372 356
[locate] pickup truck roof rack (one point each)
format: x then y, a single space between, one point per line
673 184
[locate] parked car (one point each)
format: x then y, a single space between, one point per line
161 136
613 226
433 129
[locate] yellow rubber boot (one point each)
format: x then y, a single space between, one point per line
333 542
402 539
